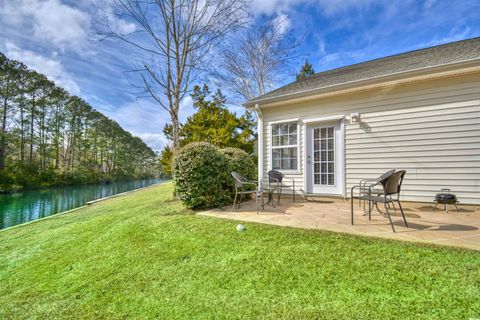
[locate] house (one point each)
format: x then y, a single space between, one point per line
418 111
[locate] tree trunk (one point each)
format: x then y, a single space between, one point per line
3 142
22 134
42 140
95 150
72 144
175 133
57 137
32 118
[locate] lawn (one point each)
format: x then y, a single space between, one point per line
143 256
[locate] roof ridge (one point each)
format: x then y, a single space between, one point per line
400 62
395 55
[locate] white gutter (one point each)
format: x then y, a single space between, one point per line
386 77
259 115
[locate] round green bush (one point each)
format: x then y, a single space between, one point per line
200 172
238 161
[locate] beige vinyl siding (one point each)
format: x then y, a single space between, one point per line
429 128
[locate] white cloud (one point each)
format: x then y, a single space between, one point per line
51 20
321 46
330 58
103 12
142 116
186 108
146 119
341 59
50 67
332 7
156 141
455 34
328 7
282 23
270 7
120 26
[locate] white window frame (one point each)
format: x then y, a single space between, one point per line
270 163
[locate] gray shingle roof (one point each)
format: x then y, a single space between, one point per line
429 57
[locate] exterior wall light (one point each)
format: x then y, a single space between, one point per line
355 117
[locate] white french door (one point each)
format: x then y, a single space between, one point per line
325 159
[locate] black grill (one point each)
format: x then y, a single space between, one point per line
445 198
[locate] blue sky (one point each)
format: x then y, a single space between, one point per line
57 38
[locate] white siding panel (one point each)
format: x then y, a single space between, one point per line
430 128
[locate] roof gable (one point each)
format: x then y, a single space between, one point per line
423 58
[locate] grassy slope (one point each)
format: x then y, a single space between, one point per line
142 255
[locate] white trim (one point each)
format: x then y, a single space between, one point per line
260 143
341 179
343 165
270 146
283 121
304 149
324 119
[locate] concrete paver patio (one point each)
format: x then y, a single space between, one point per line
461 229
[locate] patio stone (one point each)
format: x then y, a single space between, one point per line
460 229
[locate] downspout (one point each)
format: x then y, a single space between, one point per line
260 141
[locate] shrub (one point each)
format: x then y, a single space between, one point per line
6 181
200 172
238 161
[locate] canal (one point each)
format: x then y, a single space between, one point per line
17 208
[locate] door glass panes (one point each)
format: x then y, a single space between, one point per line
324 156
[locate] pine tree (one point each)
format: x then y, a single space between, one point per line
306 71
214 123
48 137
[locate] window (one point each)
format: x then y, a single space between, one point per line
285 146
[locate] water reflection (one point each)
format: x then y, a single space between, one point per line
18 208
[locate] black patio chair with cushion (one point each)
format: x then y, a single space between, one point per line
243 186
275 176
391 187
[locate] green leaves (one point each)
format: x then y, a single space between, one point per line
49 137
202 174
199 175
214 123
306 71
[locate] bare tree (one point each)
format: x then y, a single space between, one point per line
256 59
177 37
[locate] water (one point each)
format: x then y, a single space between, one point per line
26 206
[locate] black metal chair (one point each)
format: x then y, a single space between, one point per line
243 186
365 189
391 193
277 177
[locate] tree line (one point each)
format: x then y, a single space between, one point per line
49 137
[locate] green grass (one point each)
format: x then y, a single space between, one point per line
143 256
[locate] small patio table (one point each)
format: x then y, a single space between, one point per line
269 187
